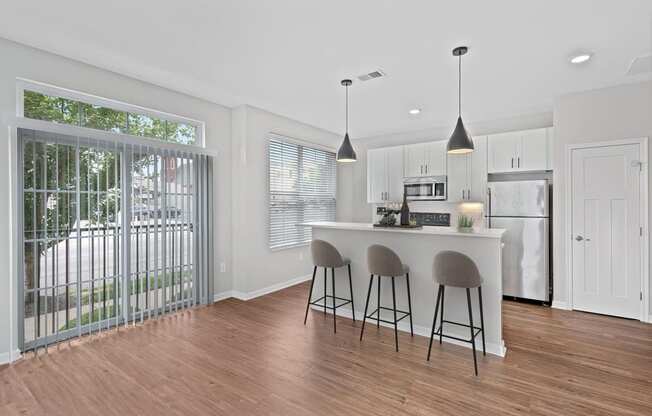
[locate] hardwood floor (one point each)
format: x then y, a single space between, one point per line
257 357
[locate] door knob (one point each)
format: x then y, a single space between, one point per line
579 238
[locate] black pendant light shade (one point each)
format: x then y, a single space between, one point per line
346 153
460 142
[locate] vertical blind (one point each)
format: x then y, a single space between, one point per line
302 186
113 234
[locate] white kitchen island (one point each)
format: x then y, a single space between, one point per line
417 249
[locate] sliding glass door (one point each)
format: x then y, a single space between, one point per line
109 232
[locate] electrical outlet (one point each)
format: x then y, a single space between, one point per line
222 267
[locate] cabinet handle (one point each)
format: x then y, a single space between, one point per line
421 169
512 163
426 169
519 162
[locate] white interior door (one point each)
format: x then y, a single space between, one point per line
606 239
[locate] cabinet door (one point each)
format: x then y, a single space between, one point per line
457 181
502 152
414 160
394 158
533 154
436 159
478 171
376 175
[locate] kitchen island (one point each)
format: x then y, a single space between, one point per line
417 249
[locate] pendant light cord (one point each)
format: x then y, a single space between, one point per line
347 109
459 87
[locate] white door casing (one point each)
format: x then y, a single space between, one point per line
606 235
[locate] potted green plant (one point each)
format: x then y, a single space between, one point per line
464 223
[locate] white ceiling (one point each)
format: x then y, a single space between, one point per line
289 56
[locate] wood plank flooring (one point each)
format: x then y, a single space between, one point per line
257 358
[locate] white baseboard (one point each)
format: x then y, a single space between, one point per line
560 305
9 357
260 292
492 348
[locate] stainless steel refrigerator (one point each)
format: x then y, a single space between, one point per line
523 209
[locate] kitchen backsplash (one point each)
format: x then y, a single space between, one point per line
471 209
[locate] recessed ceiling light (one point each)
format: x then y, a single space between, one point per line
579 58
415 111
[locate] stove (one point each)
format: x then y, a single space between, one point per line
431 219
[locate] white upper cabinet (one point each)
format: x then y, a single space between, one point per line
385 174
436 158
467 174
519 151
425 159
376 175
395 173
534 150
414 160
502 150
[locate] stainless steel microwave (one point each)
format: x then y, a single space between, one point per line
432 188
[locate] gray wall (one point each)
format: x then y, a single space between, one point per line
593 116
25 62
256 268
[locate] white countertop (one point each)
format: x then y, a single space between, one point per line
446 231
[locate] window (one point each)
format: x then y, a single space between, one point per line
41 106
302 185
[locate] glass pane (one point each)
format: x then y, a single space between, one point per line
102 118
28 215
39 165
181 133
45 107
142 125
28 165
29 265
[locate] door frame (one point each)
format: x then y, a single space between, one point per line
642 142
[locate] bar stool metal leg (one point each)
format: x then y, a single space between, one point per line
325 286
334 309
366 305
378 316
395 320
312 283
484 350
434 321
407 279
441 320
468 300
351 292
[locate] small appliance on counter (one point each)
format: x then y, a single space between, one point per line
425 189
431 219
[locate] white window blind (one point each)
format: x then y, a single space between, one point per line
302 186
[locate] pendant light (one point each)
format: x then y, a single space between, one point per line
460 141
346 152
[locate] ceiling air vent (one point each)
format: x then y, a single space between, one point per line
371 75
640 65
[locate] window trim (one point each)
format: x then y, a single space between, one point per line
23 84
274 135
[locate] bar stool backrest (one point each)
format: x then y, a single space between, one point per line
324 254
452 268
382 261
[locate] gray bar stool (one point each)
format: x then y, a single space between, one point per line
325 255
383 261
455 269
